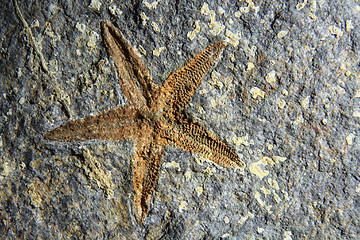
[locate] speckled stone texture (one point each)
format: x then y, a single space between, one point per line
285 95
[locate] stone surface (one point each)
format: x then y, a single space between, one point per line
285 95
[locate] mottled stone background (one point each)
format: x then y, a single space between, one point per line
285 95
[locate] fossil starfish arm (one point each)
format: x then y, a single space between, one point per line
180 86
193 138
146 164
115 124
134 78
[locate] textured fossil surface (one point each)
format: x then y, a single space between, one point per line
153 118
285 96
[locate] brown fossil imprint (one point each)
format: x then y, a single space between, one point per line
153 118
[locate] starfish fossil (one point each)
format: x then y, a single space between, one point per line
153 118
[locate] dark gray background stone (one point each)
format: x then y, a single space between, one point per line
299 137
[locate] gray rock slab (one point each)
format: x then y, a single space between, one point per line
285 95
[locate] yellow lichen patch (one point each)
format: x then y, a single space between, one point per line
356 114
191 35
257 92
335 31
241 140
157 51
226 219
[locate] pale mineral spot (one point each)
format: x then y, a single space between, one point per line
287 235
313 6
232 38
273 183
155 27
324 121
335 31
265 190
157 52
356 114
276 197
282 34
305 102
350 138
243 219
271 77
152 5
257 92
216 27
249 66
241 140
349 25
199 190
300 6
299 120
191 35
262 203
357 189
183 206
114 10
173 164
95 4
281 103
144 18
256 169
81 27
357 94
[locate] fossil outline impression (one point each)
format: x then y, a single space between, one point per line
153 117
